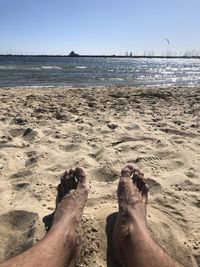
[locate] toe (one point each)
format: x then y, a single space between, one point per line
128 170
145 189
71 173
81 177
136 177
72 179
59 194
64 183
123 187
62 188
141 182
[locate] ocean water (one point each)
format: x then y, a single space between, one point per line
66 71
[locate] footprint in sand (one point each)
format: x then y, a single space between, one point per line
17 231
177 132
167 162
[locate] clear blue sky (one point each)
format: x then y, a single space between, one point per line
98 26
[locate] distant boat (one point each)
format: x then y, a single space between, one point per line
73 54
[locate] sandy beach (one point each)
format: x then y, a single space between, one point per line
46 131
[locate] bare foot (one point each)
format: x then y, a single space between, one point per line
70 201
131 220
71 197
132 242
71 189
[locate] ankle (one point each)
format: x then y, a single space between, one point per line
68 235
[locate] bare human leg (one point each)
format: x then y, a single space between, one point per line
60 245
132 243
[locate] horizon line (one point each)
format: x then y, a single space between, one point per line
101 56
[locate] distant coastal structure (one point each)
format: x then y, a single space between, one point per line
168 54
73 54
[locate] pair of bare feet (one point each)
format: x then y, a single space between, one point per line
132 244
132 198
131 241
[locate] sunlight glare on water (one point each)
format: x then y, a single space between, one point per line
80 71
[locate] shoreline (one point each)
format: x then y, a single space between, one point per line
44 131
97 87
